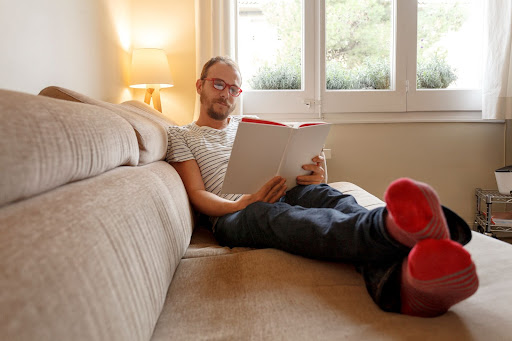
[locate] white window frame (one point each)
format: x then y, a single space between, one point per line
403 102
430 99
290 101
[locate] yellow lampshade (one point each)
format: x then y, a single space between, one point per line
150 67
150 70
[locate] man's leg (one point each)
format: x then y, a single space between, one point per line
423 286
321 196
353 235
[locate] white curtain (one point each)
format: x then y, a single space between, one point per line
497 72
215 35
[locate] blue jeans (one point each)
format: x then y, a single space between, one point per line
314 221
320 222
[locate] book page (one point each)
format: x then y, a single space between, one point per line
255 158
305 143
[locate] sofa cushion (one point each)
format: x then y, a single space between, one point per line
46 143
93 260
362 197
204 244
150 125
261 295
147 111
272 295
268 294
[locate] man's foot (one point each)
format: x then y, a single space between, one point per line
414 212
436 275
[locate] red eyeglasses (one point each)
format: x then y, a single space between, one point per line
220 85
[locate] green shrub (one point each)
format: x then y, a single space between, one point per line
339 78
371 74
277 77
435 74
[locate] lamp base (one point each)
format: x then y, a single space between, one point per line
155 94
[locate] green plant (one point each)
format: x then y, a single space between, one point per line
337 77
372 74
278 77
435 73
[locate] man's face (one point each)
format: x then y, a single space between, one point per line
218 104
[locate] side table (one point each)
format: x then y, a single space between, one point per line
483 219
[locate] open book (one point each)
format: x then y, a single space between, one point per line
264 149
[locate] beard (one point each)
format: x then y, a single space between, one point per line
215 114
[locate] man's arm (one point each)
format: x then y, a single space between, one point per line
213 205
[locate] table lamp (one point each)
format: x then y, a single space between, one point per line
150 70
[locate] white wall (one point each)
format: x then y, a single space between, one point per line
454 158
70 43
85 45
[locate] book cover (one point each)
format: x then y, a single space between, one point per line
264 149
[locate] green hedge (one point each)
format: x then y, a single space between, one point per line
434 74
278 77
369 75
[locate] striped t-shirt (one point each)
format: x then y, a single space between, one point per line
210 147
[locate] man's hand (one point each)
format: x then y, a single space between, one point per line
317 169
270 192
215 206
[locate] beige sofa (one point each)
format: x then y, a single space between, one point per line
97 242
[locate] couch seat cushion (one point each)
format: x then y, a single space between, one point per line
269 294
272 295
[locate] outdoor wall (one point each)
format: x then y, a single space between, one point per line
454 158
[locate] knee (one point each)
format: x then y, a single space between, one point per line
321 190
322 187
309 189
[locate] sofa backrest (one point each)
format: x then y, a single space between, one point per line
46 143
93 260
149 125
90 237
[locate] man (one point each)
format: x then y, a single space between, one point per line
404 251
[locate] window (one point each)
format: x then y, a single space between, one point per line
319 58
270 44
448 55
275 39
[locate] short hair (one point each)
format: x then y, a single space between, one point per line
220 59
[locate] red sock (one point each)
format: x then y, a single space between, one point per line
414 212
436 275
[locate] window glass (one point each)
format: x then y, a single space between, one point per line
323 58
449 44
270 44
358 44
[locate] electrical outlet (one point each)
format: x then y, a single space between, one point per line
327 153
